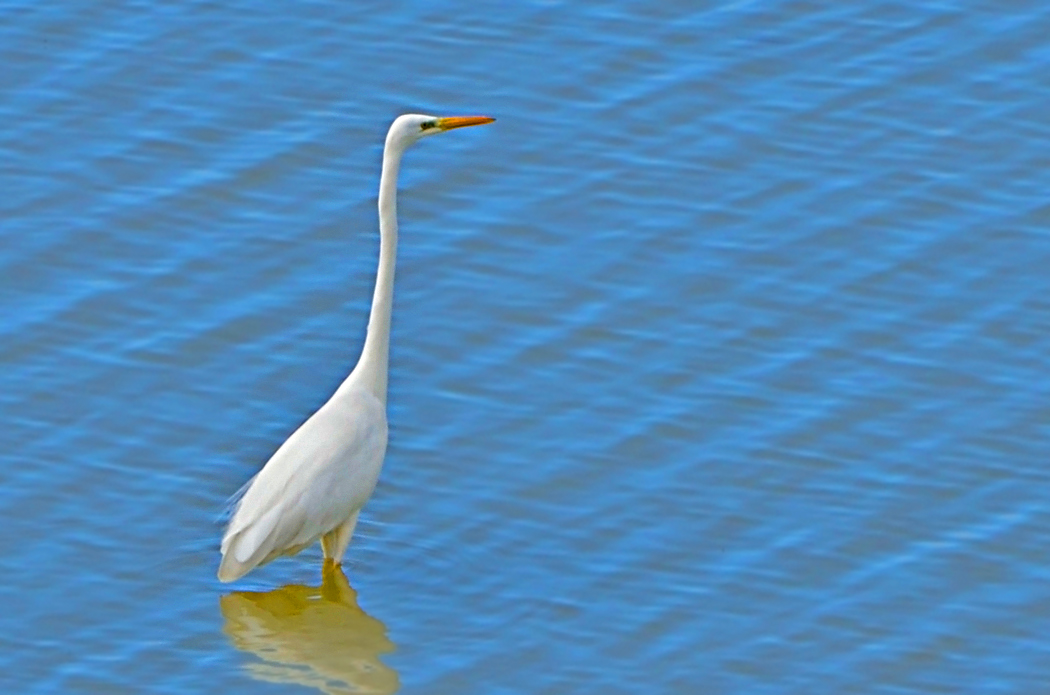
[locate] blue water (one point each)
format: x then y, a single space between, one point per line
719 362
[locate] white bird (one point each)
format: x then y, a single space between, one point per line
316 483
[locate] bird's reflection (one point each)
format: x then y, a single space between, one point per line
314 636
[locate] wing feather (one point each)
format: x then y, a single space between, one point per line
324 472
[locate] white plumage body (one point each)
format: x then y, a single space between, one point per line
316 483
322 474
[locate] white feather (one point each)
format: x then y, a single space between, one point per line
321 475
314 485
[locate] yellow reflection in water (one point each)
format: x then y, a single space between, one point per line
313 636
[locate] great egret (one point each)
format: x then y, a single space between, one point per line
316 483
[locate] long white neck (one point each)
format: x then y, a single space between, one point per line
371 369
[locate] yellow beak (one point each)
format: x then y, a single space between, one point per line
462 121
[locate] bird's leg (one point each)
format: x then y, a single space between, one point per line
335 541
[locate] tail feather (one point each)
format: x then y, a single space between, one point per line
245 548
231 570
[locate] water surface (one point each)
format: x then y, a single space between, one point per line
719 362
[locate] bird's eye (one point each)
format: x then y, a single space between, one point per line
427 125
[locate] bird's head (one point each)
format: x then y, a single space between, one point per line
411 127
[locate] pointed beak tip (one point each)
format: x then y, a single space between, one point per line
463 121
